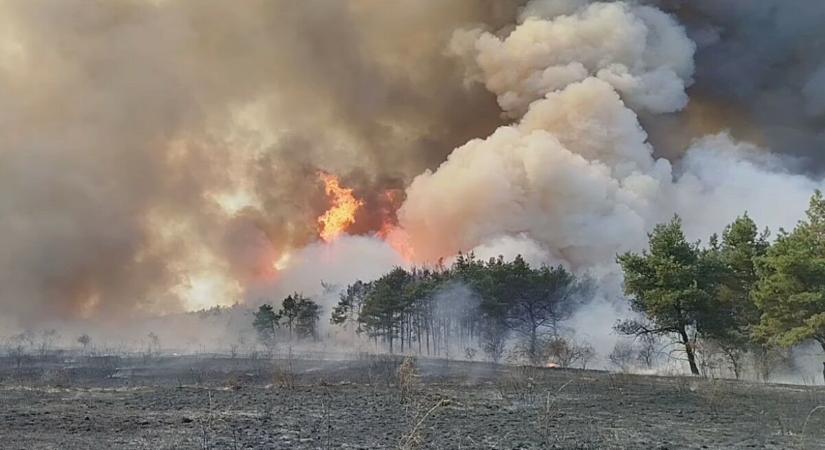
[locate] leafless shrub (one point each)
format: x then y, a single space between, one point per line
206 424
285 376
648 351
21 347
325 428
19 355
586 355
407 378
710 358
413 439
550 412
84 340
47 340
151 347
622 356
494 340
567 352
766 359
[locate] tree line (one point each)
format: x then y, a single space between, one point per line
470 304
296 319
740 293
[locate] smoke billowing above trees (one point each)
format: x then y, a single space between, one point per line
158 156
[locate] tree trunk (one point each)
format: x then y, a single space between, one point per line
534 346
689 350
427 337
418 334
735 364
822 343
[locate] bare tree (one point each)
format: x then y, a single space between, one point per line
84 340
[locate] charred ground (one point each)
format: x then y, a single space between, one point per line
364 401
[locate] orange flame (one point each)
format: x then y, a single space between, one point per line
398 239
341 214
390 232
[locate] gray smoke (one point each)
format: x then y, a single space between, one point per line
576 175
759 72
157 156
160 155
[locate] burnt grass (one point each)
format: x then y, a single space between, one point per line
207 402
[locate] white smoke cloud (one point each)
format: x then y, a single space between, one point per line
336 264
509 247
720 179
639 50
537 178
576 176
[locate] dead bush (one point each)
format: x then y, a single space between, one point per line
623 356
414 438
407 378
550 412
566 352
285 376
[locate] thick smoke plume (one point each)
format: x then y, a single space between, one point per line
759 69
158 156
576 174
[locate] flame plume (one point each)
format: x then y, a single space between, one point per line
341 214
399 240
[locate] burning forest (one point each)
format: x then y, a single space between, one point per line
402 193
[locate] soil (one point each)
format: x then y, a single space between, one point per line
211 401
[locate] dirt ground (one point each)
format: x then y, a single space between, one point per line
241 403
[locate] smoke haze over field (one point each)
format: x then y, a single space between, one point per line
161 156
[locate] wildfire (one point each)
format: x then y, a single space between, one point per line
342 212
390 232
398 239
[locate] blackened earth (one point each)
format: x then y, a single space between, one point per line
241 403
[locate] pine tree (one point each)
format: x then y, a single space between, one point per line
791 289
673 284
